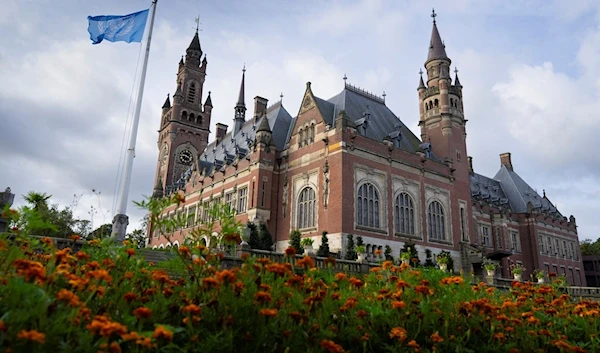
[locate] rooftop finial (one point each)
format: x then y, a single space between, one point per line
383 95
281 97
455 70
544 190
433 15
345 78
420 72
244 68
197 20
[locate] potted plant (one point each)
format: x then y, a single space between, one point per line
307 243
442 260
360 251
517 271
405 256
490 267
541 276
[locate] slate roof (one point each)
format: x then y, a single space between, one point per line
226 151
437 49
381 122
507 188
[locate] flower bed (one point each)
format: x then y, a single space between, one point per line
105 298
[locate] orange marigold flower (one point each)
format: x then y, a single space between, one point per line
413 344
67 296
142 312
330 261
375 269
452 280
262 297
160 332
331 346
185 251
3 326
268 312
361 313
306 262
356 282
178 198
499 336
399 333
210 282
99 275
82 255
192 309
104 327
129 297
46 240
32 335
263 261
399 304
130 336
424 290
378 252
226 276
436 337
130 251
340 276
75 237
402 284
290 251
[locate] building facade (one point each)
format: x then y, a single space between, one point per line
348 165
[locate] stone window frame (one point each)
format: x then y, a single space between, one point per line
298 183
434 193
463 221
412 218
438 236
377 201
365 174
305 205
242 207
413 189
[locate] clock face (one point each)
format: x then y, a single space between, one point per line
186 156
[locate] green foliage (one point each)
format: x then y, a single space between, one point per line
428 259
445 257
388 253
359 241
295 241
350 249
104 231
324 247
266 241
253 239
307 242
409 251
589 248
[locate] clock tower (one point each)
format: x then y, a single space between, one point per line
184 126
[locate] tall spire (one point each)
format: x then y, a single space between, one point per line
437 49
240 102
421 83
456 81
240 107
193 52
167 104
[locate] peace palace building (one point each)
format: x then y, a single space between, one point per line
348 165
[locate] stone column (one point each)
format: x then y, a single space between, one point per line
6 198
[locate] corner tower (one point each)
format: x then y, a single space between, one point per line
184 127
441 108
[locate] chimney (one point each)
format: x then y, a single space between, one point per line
221 131
470 160
505 161
260 106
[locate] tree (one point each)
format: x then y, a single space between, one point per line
138 237
38 200
359 241
324 247
428 259
265 238
295 241
253 239
589 248
350 251
388 253
101 232
447 254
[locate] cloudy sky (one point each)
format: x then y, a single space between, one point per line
530 71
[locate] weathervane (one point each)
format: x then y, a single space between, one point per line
455 70
197 20
433 15
420 72
345 78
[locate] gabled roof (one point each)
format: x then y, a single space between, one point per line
382 121
520 194
488 189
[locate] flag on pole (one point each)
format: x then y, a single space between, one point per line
127 28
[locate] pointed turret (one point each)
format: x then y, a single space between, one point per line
456 81
167 104
193 52
208 102
421 83
178 96
264 125
437 49
240 107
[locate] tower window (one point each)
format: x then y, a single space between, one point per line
184 115
452 102
426 107
192 118
430 105
191 93
435 102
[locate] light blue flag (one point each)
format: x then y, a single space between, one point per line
128 28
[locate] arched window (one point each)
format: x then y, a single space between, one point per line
300 138
426 106
312 133
436 227
191 93
192 117
184 115
430 105
404 214
435 103
199 119
367 202
306 208
452 102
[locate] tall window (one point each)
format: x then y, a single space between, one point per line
230 200
242 200
367 210
191 216
462 224
499 244
541 245
191 93
485 236
404 214
306 208
436 227
515 244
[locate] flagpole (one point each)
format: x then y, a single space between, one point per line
120 221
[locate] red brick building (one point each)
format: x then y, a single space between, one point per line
348 165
